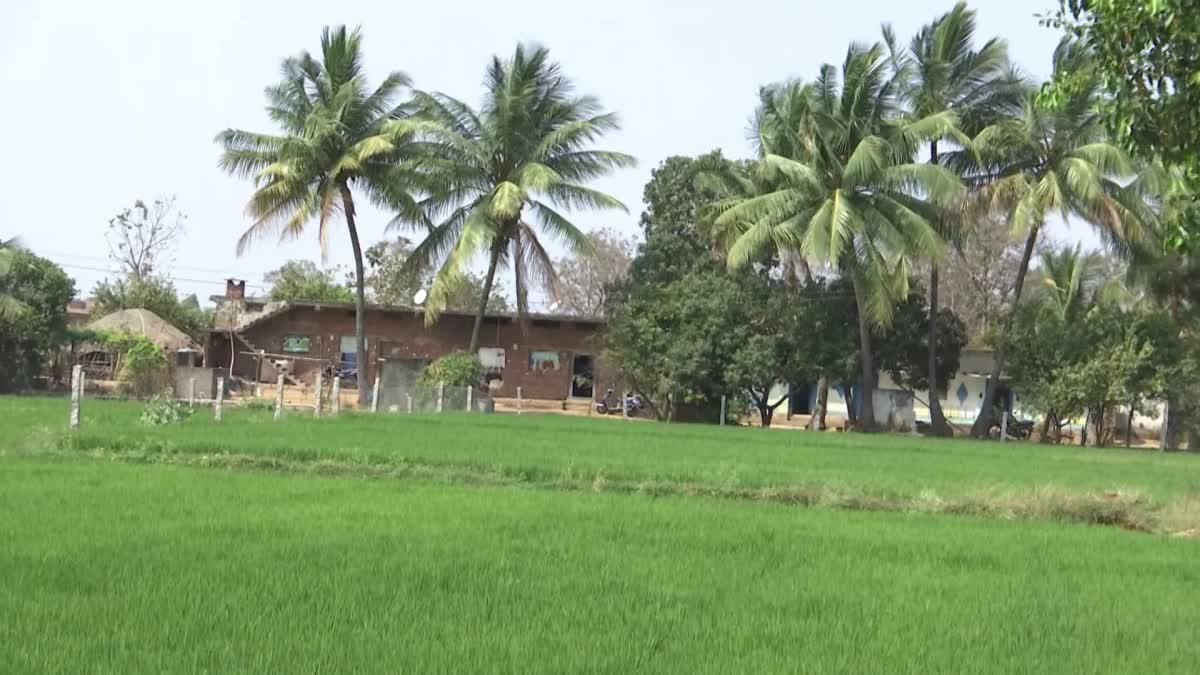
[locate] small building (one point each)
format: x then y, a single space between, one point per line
961 398
550 358
79 312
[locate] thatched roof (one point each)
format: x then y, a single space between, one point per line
145 322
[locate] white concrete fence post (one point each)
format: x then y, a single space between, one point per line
76 395
317 396
335 397
470 398
722 409
409 398
220 399
441 395
1004 426
192 393
279 397
624 407
1165 428
375 395
520 402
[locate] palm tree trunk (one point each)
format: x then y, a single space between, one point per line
483 302
937 419
983 423
817 421
360 300
866 416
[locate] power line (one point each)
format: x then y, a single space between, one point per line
106 270
81 256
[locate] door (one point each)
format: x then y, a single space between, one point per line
583 376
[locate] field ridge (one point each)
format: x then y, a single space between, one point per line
1129 510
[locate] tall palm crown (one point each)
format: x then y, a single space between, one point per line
846 193
337 136
942 71
496 176
1067 278
1046 161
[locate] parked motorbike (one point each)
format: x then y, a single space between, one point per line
609 405
1017 429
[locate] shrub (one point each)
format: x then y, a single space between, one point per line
143 367
259 405
455 370
162 409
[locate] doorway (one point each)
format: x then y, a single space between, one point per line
583 376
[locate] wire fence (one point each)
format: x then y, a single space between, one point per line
323 399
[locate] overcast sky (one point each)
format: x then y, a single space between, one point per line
107 102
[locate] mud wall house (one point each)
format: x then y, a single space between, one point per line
553 358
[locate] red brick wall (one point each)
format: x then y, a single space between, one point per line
396 334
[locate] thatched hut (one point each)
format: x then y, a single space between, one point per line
101 362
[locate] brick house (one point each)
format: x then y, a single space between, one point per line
555 358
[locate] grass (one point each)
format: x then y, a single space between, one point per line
546 448
114 567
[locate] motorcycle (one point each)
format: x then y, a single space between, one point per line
608 406
1017 429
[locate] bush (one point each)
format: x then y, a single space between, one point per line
259 405
143 366
459 369
162 409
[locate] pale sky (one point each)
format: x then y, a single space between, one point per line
107 102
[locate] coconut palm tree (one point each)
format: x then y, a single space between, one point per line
942 71
845 192
1054 159
1068 276
337 137
496 176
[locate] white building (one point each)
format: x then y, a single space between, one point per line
897 408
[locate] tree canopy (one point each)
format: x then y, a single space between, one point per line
34 322
303 281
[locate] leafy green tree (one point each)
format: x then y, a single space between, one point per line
459 369
495 173
303 281
904 346
673 345
943 72
676 257
156 294
683 329
789 334
845 191
9 304
1080 348
1148 56
1055 161
338 136
35 322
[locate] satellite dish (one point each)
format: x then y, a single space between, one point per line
419 297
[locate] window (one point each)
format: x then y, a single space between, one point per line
543 359
296 344
492 358
349 353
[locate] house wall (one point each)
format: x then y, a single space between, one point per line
403 335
